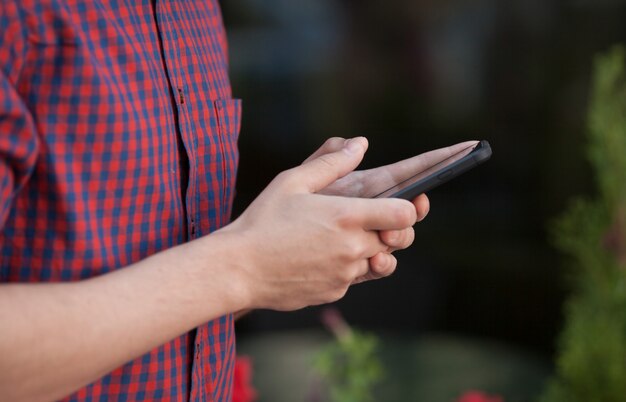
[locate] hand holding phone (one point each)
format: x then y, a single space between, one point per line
387 180
406 175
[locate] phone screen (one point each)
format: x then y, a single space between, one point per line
440 166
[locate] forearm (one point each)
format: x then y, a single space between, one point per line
56 338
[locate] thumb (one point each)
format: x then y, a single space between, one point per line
320 172
331 145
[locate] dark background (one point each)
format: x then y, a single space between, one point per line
412 76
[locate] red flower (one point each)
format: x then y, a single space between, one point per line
242 383
477 396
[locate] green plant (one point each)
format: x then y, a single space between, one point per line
349 364
591 365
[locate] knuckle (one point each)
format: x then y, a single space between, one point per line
334 143
404 214
378 264
405 238
344 216
410 237
391 237
385 265
286 177
353 250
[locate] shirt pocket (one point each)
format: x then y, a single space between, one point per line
229 117
219 158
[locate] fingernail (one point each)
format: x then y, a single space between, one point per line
353 146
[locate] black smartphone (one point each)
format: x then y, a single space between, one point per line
440 173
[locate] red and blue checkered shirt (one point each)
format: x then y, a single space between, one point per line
118 138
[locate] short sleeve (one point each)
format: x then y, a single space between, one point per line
18 138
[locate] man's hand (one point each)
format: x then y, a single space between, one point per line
368 183
308 248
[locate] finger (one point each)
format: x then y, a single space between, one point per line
404 169
397 239
367 244
422 206
378 179
380 214
327 168
380 266
333 144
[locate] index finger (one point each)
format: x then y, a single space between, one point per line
404 169
378 179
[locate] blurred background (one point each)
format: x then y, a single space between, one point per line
482 286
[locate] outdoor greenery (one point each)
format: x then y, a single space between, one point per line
350 364
591 365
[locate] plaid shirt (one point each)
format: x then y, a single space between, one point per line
118 138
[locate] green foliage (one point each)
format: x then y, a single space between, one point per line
592 352
350 367
607 127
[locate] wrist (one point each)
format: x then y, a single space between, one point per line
223 267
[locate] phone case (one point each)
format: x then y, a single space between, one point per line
480 154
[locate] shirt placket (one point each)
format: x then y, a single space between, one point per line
179 92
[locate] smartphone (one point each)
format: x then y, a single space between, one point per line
439 173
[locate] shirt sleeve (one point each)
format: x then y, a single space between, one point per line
19 143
